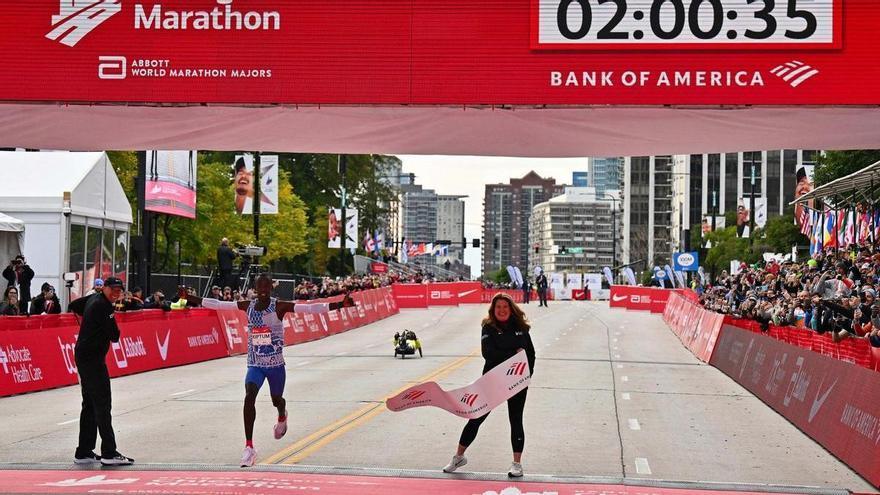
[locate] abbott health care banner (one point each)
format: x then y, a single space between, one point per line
477 399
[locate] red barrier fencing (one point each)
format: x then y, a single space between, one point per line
411 295
832 401
36 353
696 327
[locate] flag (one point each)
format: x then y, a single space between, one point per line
404 251
377 245
380 240
829 238
841 229
806 221
369 243
850 235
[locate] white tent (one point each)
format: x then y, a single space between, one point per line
11 238
76 215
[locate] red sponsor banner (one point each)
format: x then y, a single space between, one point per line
377 267
40 358
314 52
155 339
410 295
832 401
469 292
696 327
580 294
516 295
235 324
443 294
633 297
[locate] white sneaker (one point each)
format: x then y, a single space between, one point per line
457 462
515 470
248 457
280 428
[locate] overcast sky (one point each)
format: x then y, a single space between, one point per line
468 175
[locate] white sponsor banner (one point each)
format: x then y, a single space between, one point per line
575 281
351 228
243 183
556 281
472 401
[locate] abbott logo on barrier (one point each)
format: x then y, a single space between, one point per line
77 18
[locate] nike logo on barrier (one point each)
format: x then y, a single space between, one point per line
817 402
619 298
462 294
163 346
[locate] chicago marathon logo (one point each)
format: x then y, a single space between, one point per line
413 395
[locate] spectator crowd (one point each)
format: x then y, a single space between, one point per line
833 292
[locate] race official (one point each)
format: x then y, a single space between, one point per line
97 330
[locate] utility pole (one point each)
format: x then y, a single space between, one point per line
257 195
145 223
342 168
752 204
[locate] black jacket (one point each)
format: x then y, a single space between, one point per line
225 255
541 282
97 329
24 281
38 305
500 344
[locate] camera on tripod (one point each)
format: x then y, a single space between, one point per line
250 250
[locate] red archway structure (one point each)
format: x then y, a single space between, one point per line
485 77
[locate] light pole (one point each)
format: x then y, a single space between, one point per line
614 201
752 204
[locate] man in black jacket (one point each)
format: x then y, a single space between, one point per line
19 274
225 256
541 283
46 303
97 330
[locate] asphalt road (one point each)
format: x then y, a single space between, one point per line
614 394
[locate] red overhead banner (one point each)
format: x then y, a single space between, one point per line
653 52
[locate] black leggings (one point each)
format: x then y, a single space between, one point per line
515 406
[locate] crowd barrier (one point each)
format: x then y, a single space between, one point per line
832 401
651 299
697 328
37 352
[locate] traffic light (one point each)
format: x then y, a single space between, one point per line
537 250
463 243
495 243
562 249
476 243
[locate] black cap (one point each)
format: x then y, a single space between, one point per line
114 282
46 286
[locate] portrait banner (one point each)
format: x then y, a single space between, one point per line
334 239
472 401
243 184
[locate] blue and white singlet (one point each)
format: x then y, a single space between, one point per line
265 336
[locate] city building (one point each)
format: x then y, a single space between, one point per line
506 212
711 184
576 232
580 179
604 173
647 211
450 226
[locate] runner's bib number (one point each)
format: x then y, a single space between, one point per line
261 336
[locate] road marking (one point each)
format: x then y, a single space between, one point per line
624 378
341 353
620 366
557 338
309 444
614 348
303 363
614 340
642 466
68 422
426 325
626 396
175 394
616 333
617 356
634 424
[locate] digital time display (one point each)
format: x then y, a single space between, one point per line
692 23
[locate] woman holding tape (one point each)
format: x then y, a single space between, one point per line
505 332
265 358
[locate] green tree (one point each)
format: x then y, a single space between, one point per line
780 234
726 246
500 276
835 164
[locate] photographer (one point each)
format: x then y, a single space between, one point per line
46 303
18 274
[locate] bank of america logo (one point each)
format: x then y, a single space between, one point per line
469 399
516 369
413 395
77 18
794 72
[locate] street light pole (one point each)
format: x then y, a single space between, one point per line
752 204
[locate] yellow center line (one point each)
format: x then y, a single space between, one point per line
306 446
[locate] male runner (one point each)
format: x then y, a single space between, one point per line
265 359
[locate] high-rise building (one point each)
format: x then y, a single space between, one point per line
506 212
574 232
647 211
604 173
389 171
418 214
450 226
580 179
711 184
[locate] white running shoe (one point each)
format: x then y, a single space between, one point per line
280 428
457 462
248 457
515 470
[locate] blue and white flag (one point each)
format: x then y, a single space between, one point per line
608 276
630 276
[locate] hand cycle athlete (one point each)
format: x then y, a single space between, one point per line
265 359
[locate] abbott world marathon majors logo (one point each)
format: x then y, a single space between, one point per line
793 73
